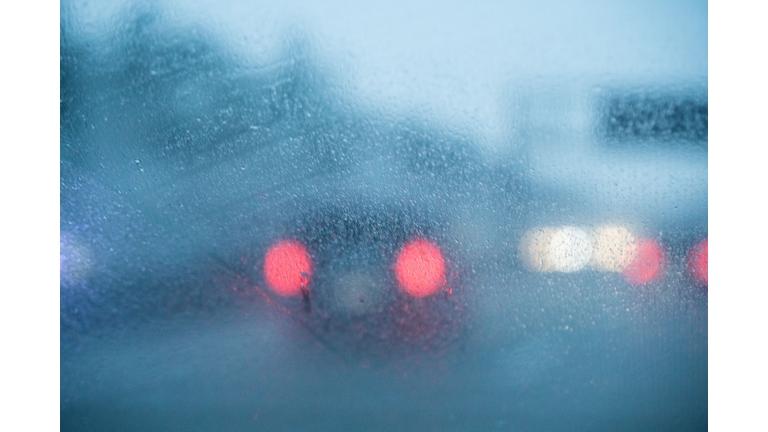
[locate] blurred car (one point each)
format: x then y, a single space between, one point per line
246 245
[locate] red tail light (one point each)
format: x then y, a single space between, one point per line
419 268
649 262
287 268
697 261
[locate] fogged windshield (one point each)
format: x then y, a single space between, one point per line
399 216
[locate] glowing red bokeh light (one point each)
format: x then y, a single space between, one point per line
697 261
649 262
419 268
287 268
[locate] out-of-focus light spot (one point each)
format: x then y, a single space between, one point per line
534 249
355 293
649 263
613 248
565 249
570 249
287 268
419 268
697 262
74 261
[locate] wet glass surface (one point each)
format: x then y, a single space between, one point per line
400 217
